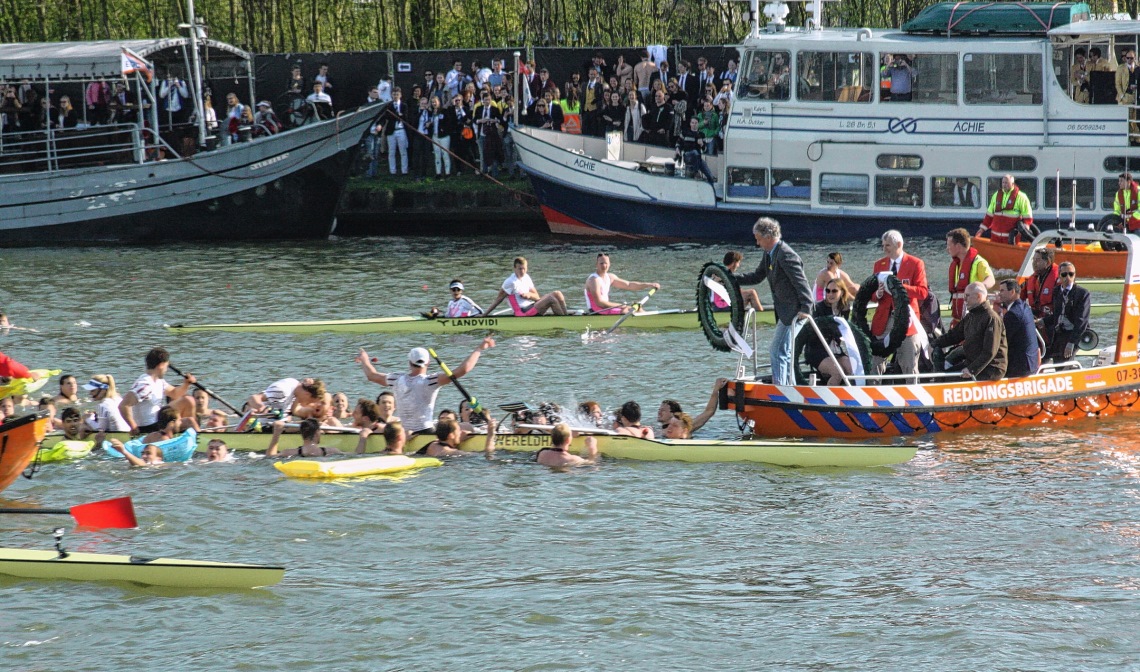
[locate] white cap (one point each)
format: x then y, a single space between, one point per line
418 356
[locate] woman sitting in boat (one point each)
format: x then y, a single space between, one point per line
559 455
732 262
840 340
833 271
103 393
982 354
460 305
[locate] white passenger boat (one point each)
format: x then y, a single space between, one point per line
834 156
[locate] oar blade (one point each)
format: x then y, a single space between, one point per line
109 513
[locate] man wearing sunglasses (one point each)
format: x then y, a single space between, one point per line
1070 318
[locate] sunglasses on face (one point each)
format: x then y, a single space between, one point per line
1066 274
832 291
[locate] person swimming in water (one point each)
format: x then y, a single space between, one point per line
559 455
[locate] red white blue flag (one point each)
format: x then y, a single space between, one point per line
133 63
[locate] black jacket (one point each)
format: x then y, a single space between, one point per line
392 115
1070 318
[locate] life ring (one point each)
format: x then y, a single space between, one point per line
859 313
1111 220
862 341
1028 232
706 311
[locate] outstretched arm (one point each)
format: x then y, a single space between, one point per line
494 304
489 446
469 363
370 371
711 407
135 461
632 286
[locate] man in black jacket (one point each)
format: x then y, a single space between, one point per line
687 82
1070 318
983 350
657 122
1024 355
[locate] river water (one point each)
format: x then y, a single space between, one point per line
1015 550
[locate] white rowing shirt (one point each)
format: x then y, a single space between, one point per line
463 307
517 286
279 396
108 418
415 399
603 290
151 393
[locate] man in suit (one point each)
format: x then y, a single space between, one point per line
688 83
1024 353
791 294
397 118
1070 318
912 272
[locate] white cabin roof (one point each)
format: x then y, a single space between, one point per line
85 60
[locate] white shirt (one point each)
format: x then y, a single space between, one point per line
321 97
279 396
481 77
151 393
516 286
463 307
108 418
415 399
385 88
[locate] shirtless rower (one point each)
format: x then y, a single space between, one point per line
559 455
629 421
667 413
386 401
218 451
310 443
149 394
601 281
416 390
447 440
519 291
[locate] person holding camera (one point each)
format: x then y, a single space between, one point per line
902 77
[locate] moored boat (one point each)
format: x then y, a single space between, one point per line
19 441
1091 261
168 572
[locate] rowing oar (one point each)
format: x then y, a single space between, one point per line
632 309
476 407
207 391
118 512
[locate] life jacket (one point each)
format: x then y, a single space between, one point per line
1003 215
1038 293
1125 205
960 272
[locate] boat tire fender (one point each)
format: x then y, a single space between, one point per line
867 290
706 311
1111 220
1028 232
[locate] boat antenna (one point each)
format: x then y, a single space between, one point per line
199 103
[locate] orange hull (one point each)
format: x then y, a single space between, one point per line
885 411
19 441
1090 263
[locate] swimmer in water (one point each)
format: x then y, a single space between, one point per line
559 455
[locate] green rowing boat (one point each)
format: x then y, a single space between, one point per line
781 453
31 564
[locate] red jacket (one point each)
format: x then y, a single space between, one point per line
10 368
912 272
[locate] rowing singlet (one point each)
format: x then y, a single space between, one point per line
603 294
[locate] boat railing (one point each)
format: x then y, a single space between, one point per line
35 151
1054 367
160 142
750 333
826 348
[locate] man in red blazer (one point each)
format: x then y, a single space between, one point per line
912 272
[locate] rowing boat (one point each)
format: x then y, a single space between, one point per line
661 319
170 572
19 440
796 453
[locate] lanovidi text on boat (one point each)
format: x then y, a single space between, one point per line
1010 390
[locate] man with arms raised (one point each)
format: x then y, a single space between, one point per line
140 406
1070 318
1008 208
601 281
519 291
981 335
416 390
912 272
791 294
966 266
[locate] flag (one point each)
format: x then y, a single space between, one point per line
133 63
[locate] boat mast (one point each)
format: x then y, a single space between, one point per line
199 103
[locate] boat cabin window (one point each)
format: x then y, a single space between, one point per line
1084 70
1027 185
956 192
1108 187
1013 164
1086 192
843 189
747 182
1121 164
835 76
898 190
791 184
1002 79
899 161
767 75
918 78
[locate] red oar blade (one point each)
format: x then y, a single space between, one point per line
119 512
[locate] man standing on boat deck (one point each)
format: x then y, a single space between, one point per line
520 292
1020 334
1125 204
1040 287
791 294
966 266
1126 90
1008 208
416 390
981 335
912 272
1070 318
601 281
902 79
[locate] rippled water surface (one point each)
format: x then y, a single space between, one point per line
1000 550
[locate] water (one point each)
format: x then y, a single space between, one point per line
1009 550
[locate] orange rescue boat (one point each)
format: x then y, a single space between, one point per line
19 441
1091 261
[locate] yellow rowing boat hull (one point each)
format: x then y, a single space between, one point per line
170 572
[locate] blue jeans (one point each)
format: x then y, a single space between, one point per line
781 354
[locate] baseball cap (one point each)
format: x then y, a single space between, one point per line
418 356
455 285
264 103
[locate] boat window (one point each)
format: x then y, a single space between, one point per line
843 189
1108 187
918 78
897 190
766 76
1002 79
1013 164
899 161
747 182
1120 164
1027 185
841 77
791 184
956 192
1086 192
1083 73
